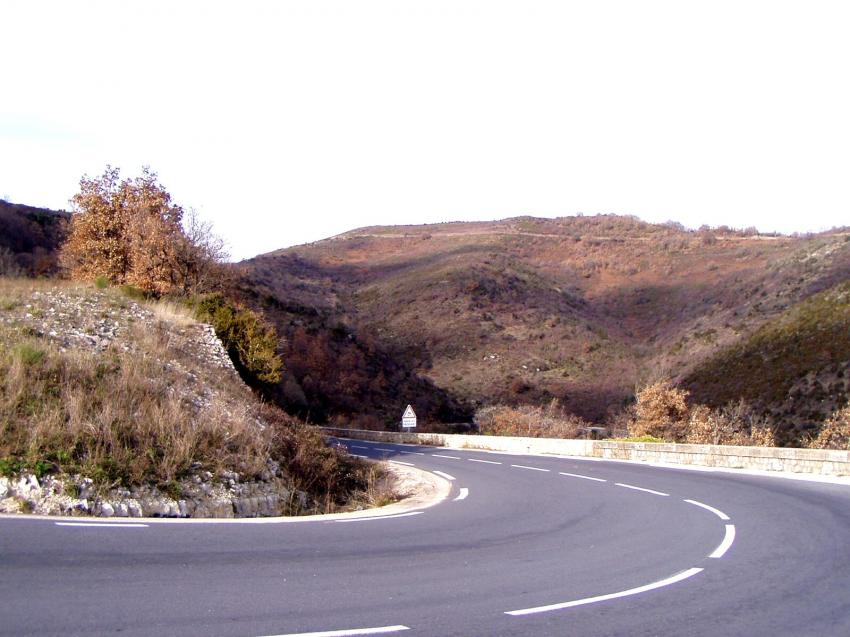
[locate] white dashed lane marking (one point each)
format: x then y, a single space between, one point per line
633 487
351 632
716 512
720 551
437 455
601 598
522 466
483 461
464 492
578 475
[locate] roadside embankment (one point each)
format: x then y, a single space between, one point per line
115 405
822 462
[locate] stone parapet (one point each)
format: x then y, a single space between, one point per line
824 462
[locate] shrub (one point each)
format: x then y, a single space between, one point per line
251 343
130 232
661 411
529 421
835 433
101 282
735 424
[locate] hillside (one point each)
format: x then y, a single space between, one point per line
113 406
795 367
584 309
30 238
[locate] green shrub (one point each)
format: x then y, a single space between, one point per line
251 343
101 282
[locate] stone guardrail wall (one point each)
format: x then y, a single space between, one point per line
826 462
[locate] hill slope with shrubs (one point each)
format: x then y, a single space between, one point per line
585 310
30 238
796 367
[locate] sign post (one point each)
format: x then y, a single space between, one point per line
408 419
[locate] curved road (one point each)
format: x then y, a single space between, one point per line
525 545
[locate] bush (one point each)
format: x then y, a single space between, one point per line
734 424
661 411
130 232
835 433
251 343
529 421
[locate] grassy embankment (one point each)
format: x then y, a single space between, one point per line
142 408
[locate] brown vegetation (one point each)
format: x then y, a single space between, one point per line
144 406
529 421
130 232
29 239
521 311
835 433
662 412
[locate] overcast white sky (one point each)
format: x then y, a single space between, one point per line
287 122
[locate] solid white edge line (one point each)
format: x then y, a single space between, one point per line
381 630
720 551
437 455
483 461
631 486
578 475
129 525
601 598
407 464
716 512
375 517
522 466
462 495
444 475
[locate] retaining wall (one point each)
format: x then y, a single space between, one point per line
827 462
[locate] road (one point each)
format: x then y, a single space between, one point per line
525 545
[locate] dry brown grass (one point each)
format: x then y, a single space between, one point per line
146 409
120 417
172 312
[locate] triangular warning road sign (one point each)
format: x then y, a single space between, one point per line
408 413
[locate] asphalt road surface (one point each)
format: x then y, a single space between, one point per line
524 545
